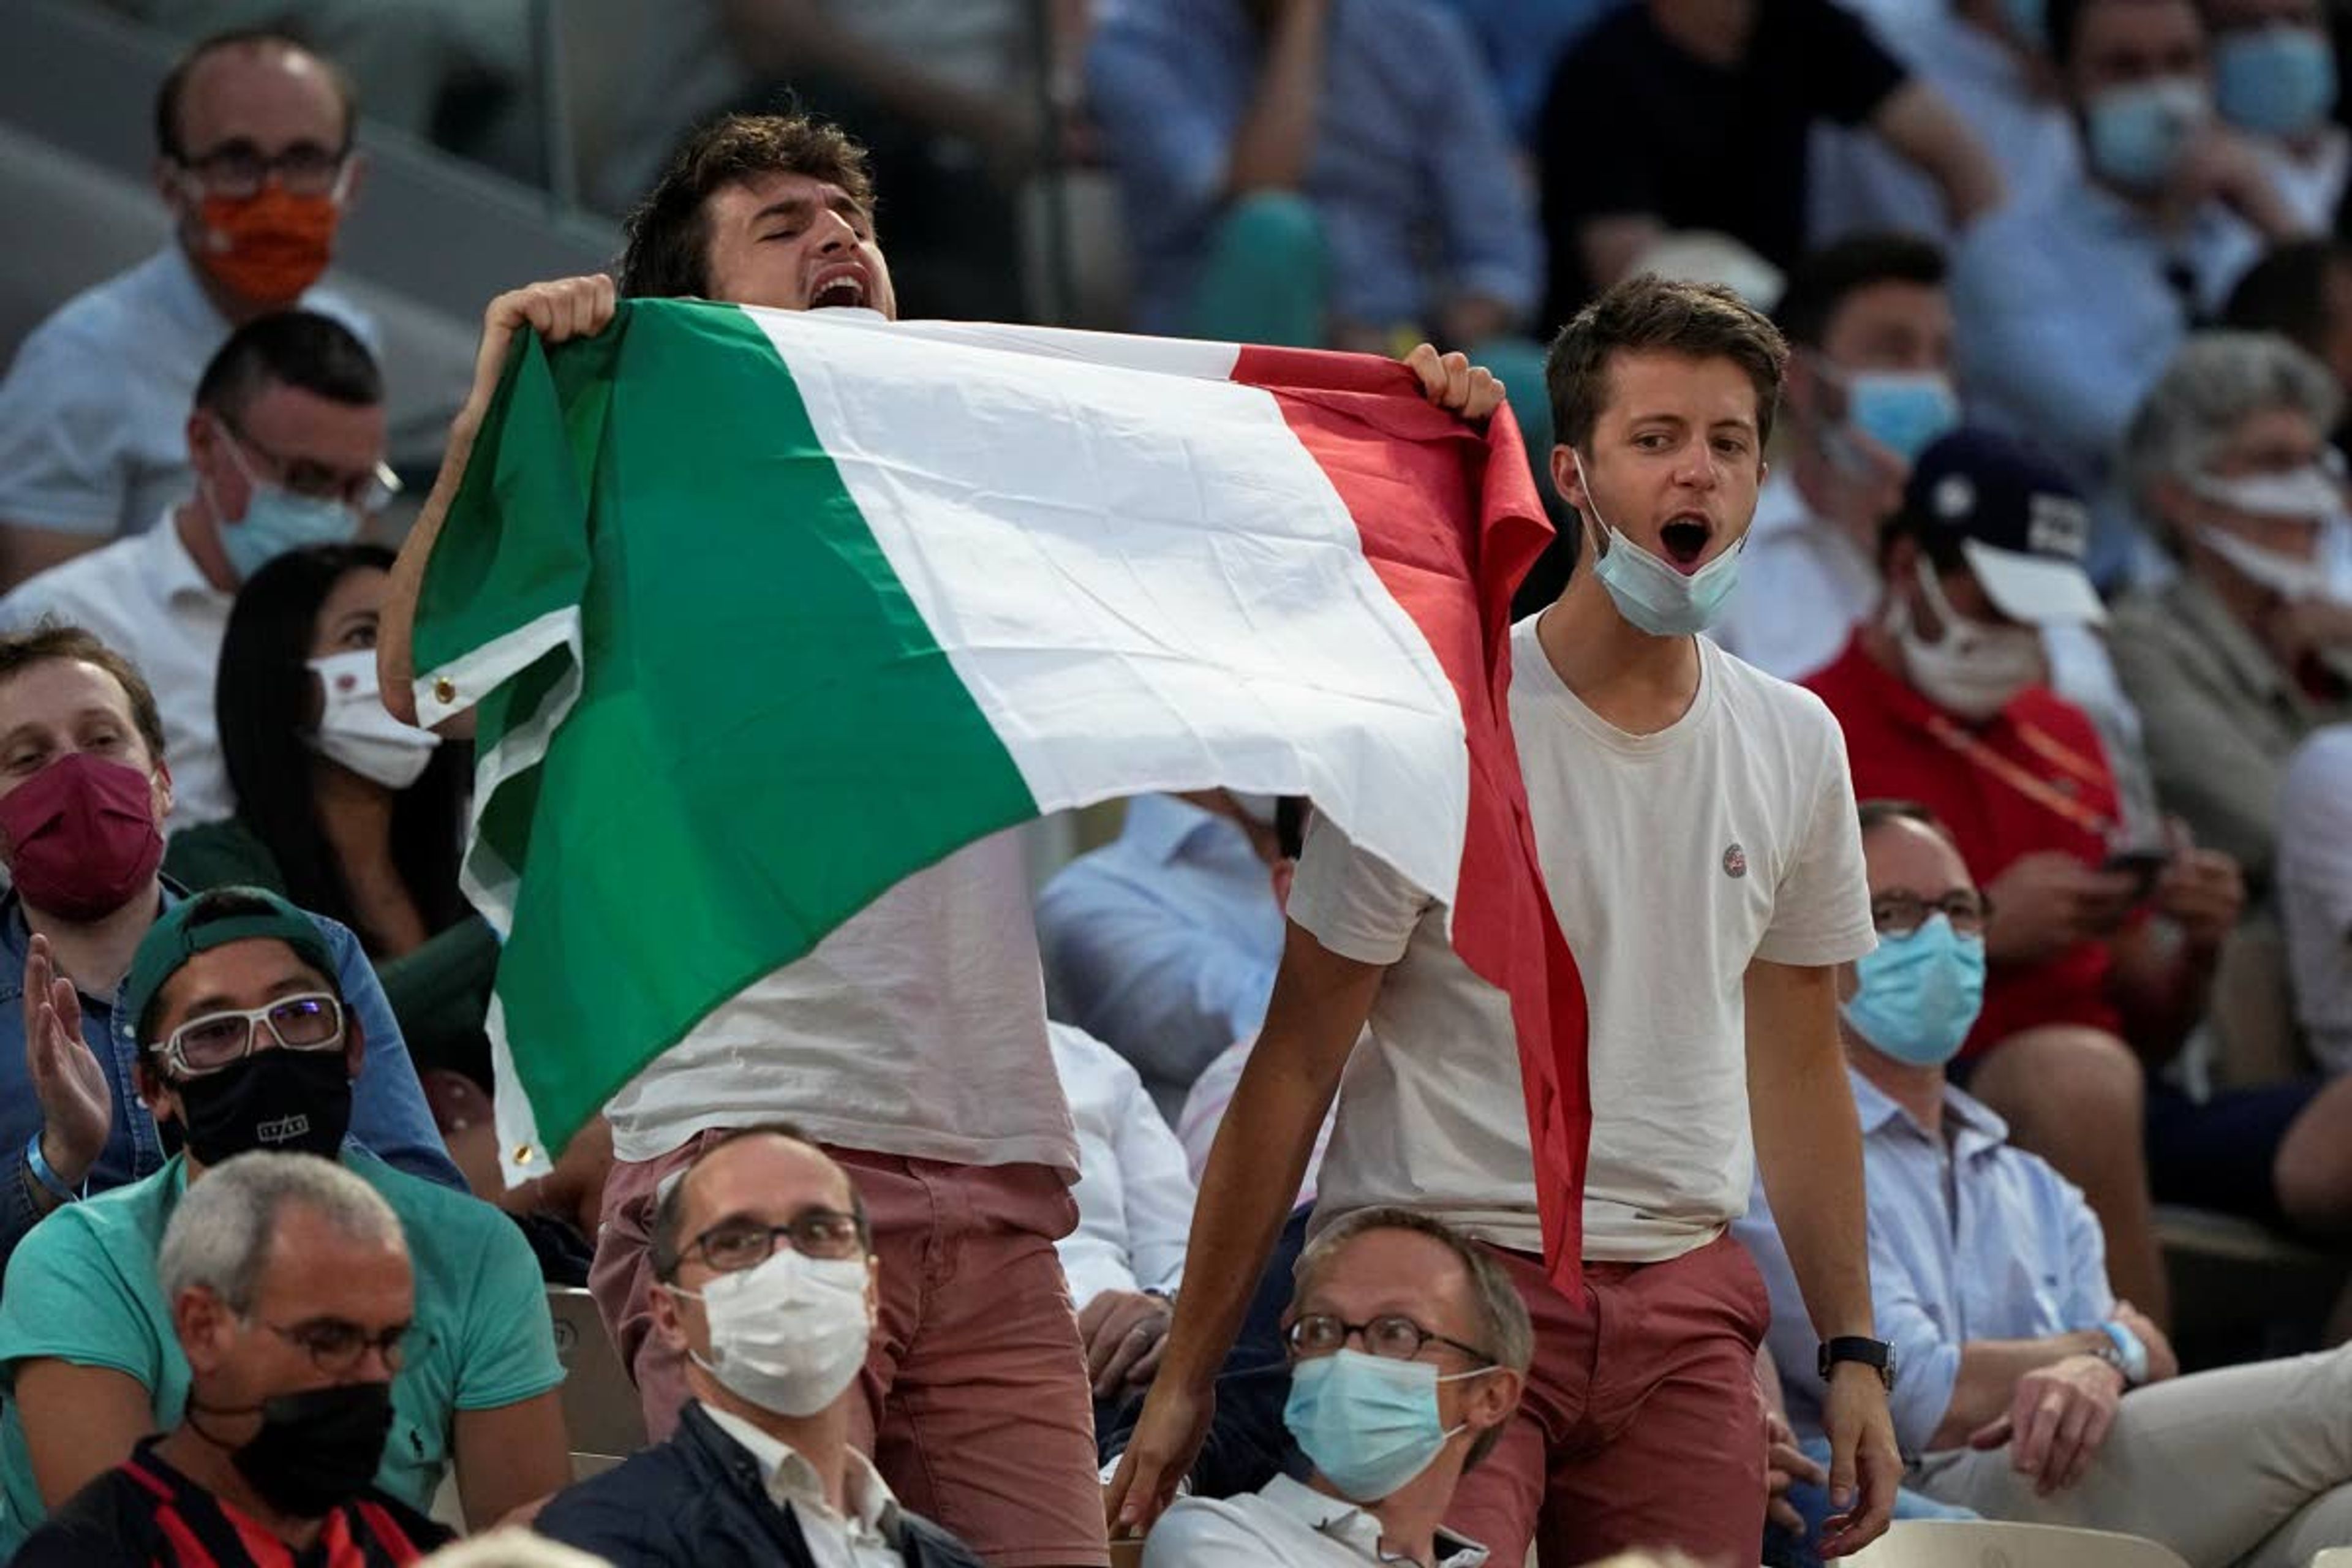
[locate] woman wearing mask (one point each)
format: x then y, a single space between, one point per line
340 806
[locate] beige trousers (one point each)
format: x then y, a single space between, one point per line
2248 1464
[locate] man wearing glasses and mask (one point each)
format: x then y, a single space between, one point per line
1409 1348
254 162
292 1295
766 1283
246 1043
287 437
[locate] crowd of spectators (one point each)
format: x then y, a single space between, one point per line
1942 682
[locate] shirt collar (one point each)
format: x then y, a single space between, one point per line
1160 827
792 1483
1975 1127
172 573
1350 1526
182 295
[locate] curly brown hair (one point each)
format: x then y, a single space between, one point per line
666 242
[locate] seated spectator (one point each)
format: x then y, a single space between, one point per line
2023 1387
2302 292
1941 699
2069 308
1310 173
254 160
83 793
341 807
246 1042
2250 648
2314 891
2275 78
1446 1343
1986 57
768 1291
286 439
290 1297
1679 114
1869 387
1162 943
1126 1257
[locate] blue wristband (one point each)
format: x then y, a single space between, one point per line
48 1178
2135 1354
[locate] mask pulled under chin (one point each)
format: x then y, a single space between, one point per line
315 1449
1651 595
1975 671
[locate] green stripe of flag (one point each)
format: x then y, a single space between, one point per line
662 878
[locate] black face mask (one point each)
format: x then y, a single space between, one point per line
287 1102
315 1449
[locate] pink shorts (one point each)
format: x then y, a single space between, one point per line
1641 1426
977 1407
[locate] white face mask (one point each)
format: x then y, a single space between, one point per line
2311 494
1975 669
789 1334
355 730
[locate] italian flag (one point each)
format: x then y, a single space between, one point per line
761 611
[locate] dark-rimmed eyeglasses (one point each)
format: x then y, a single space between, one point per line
310 1022
732 1246
239 169
1392 1336
1897 912
337 1348
366 492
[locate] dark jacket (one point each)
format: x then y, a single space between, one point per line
697 1501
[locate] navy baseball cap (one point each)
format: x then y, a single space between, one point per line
2021 525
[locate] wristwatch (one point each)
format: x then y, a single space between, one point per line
1876 1354
2125 1353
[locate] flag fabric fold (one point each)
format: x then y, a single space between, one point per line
760 612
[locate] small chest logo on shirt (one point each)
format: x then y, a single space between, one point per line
1735 861
284 1129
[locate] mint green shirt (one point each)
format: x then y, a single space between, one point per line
82 1289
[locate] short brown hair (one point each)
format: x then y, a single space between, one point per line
666 242
1702 320
50 641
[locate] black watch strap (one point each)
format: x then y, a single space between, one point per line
1875 1354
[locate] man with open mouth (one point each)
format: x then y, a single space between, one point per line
1696 827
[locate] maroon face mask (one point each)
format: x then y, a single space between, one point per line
80 837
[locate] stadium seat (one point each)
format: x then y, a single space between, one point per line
1983 1543
601 1412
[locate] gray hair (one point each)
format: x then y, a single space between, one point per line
2213 384
220 1233
1504 1330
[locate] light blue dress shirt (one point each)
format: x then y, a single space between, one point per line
1523 41
1970 1239
1412 173
1162 944
2064 318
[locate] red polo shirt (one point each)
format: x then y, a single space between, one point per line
2033 778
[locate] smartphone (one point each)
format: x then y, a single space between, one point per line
2145 864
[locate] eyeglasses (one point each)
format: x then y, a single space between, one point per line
367 493
310 1022
1899 912
732 1246
239 169
337 1348
1392 1336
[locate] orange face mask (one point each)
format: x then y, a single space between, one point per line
270 247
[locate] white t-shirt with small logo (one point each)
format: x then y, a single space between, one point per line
1672 860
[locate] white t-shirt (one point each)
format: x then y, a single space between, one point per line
2314 883
1672 859
146 598
917 1028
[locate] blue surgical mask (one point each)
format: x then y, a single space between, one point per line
1920 994
1903 411
1368 1423
1652 594
275 520
2278 80
2137 133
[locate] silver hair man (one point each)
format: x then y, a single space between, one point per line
219 1235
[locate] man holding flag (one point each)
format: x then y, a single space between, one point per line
911 1041
1695 824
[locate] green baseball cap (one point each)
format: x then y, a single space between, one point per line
214 918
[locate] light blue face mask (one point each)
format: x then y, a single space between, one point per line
276 521
1905 410
1920 994
2278 80
1369 1423
1652 594
2136 134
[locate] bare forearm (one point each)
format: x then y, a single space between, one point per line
1917 123
1809 1144
395 646
1988 1380
1276 137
